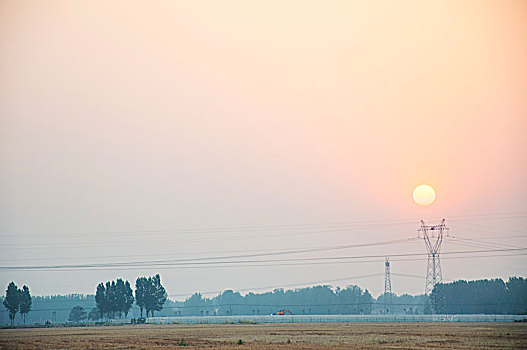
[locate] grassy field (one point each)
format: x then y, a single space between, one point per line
274 336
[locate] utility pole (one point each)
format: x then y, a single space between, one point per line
433 236
387 286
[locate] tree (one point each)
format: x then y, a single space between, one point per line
119 296
128 296
194 303
12 301
156 295
114 297
111 299
77 314
150 295
25 302
516 296
101 300
94 314
124 297
140 293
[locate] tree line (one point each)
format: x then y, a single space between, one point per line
320 300
460 297
116 297
486 296
112 299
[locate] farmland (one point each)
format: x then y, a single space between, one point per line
272 336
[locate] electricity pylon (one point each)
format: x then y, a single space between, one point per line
433 236
387 286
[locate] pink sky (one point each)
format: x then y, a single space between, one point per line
128 115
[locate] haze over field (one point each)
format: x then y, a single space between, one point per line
139 131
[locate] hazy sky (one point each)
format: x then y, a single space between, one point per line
126 127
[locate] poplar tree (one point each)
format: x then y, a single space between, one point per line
124 297
156 296
128 295
101 300
140 293
12 301
150 295
25 302
114 297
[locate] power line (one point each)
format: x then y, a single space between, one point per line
230 266
165 241
470 244
298 251
452 239
477 243
407 275
490 216
473 226
491 244
335 228
182 262
149 255
352 224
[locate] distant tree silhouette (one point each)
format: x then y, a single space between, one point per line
25 302
12 301
101 300
310 300
150 294
124 297
140 293
481 297
77 314
114 297
156 296
516 295
94 314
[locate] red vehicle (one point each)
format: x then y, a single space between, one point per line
283 312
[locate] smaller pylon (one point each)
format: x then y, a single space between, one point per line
387 287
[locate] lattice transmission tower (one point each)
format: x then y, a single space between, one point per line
387 287
433 236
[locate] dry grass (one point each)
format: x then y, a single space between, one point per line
274 336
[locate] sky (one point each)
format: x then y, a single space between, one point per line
135 131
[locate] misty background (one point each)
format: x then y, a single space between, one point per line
134 132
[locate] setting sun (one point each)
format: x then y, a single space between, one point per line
424 195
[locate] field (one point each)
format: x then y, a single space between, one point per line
273 336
